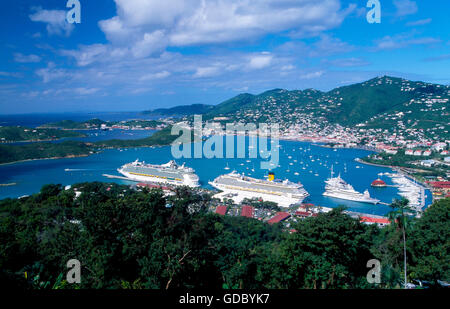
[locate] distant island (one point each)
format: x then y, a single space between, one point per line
97 124
182 110
23 134
69 149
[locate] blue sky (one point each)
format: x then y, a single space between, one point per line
131 55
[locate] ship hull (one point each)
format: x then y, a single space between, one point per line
350 198
239 190
153 179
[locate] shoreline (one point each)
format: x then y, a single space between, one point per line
52 158
31 141
79 156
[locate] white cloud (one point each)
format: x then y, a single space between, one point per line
405 7
18 57
150 44
312 75
10 74
402 41
206 71
348 62
288 67
260 61
148 26
51 73
420 22
55 20
85 91
159 75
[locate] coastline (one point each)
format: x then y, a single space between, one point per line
80 156
41 140
52 158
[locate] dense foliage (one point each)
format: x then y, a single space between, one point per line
139 239
13 153
97 123
19 134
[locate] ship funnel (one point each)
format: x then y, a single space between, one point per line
271 176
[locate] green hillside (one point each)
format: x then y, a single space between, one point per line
75 125
232 105
182 110
382 102
34 151
18 134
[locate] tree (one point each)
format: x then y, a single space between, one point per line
398 216
430 245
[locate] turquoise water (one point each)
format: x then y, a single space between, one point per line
30 176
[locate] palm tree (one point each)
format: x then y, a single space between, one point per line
399 215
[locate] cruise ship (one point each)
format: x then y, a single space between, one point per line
336 187
169 173
238 186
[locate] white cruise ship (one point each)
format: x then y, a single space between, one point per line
169 173
238 186
336 187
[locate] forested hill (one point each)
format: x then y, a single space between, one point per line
182 110
374 103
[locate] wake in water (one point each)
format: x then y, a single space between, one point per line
76 170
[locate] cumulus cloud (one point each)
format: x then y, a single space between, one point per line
189 22
55 20
260 61
144 28
18 57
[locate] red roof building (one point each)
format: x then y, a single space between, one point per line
378 183
221 210
303 214
379 221
247 211
439 184
281 216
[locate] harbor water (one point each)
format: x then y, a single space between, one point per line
302 162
